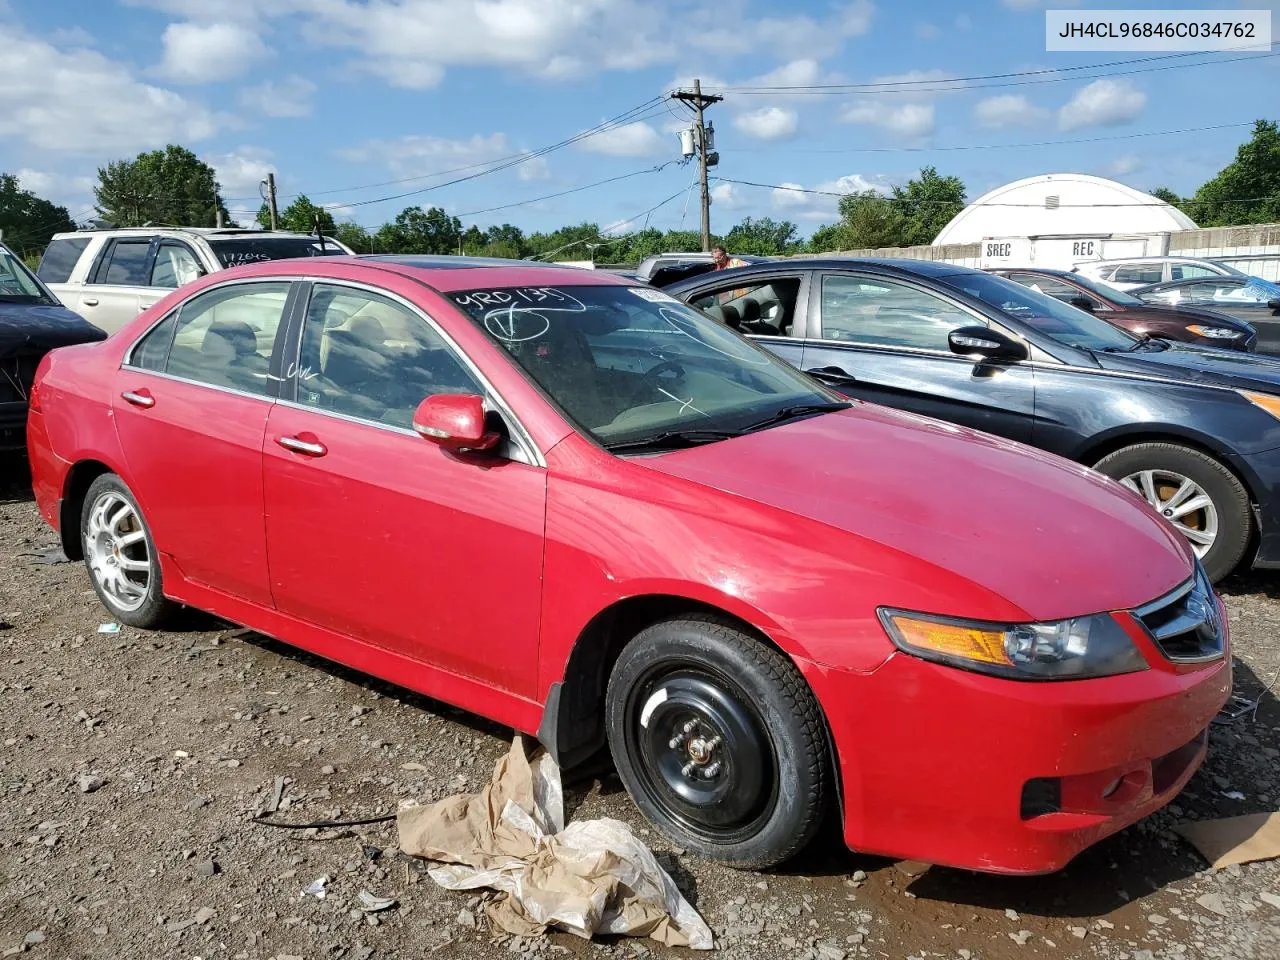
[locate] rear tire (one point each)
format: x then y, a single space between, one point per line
121 556
1174 478
719 741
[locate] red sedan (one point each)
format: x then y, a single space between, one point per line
573 505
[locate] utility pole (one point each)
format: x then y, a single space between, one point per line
706 158
271 200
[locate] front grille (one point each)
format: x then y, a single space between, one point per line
1184 624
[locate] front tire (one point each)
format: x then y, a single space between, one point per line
719 741
1204 500
121 556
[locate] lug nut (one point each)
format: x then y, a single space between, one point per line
691 726
688 768
711 770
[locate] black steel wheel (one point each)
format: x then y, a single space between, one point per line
719 741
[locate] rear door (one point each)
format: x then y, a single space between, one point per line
885 340
191 405
111 295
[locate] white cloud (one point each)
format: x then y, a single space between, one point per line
1102 103
1125 165
288 97
628 140
413 156
927 31
241 172
910 121
74 191
81 101
726 196
768 123
822 201
964 21
1033 4
1007 110
210 52
535 168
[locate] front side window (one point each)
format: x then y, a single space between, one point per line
175 265
223 337
60 258
766 308
1049 286
884 312
1045 315
366 356
126 264
17 285
631 364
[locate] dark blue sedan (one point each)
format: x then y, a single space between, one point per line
1193 430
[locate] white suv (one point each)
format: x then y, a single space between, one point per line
1140 271
110 276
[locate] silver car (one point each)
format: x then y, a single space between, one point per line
1134 272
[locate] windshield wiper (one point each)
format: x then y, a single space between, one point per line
1147 340
797 410
673 440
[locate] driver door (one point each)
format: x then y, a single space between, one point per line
380 535
885 340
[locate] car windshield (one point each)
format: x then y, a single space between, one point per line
237 251
1043 313
1106 290
17 283
631 364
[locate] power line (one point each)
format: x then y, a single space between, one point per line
998 146
565 193
950 84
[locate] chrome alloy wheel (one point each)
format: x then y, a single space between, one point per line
119 555
1182 502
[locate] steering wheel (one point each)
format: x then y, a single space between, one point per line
653 373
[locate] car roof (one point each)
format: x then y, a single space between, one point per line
1155 258
1191 281
207 232
1048 271
924 268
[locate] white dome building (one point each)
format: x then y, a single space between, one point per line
1060 219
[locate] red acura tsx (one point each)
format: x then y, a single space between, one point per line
569 503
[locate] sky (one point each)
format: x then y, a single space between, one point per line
359 102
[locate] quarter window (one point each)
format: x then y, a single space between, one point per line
875 311
125 264
60 258
175 265
223 337
367 356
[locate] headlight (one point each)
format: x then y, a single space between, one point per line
1214 333
1093 646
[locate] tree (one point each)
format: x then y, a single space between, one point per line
354 236
415 230
170 186
1248 189
1167 195
299 216
567 243
28 221
763 238
868 219
926 205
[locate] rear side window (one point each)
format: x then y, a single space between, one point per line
1145 274
125 264
1189 271
60 258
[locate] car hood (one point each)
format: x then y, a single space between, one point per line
1050 537
27 328
1207 365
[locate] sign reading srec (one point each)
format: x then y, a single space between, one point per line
1158 30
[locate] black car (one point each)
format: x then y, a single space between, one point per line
32 322
1251 299
1199 325
1194 431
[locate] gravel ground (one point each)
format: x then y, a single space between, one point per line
132 763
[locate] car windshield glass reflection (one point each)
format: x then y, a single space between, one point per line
1111 293
1042 313
17 285
631 364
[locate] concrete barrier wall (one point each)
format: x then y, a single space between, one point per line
1253 249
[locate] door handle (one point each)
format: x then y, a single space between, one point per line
90 301
832 375
139 398
312 448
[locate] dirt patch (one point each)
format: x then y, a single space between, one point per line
132 764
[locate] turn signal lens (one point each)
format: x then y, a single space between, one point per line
1093 646
1264 400
1214 333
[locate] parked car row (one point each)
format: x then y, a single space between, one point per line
575 504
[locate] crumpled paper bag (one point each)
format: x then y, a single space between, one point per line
590 877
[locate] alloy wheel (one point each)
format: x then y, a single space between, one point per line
119 554
1182 502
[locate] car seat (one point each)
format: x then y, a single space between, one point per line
244 366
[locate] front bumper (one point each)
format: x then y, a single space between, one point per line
950 767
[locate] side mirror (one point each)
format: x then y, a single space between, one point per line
985 343
1082 303
1275 306
455 421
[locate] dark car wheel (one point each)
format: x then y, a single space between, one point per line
719 741
121 556
1197 494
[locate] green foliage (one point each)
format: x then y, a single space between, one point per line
299 217
1247 190
914 213
172 187
764 237
416 230
354 236
28 221
926 204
